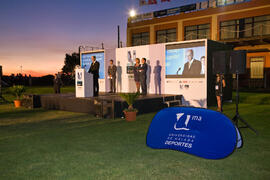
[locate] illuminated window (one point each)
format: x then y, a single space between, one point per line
140 39
261 25
167 35
256 67
221 2
201 31
244 28
229 29
230 2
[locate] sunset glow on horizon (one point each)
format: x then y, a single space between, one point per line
36 35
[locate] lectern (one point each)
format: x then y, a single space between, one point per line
84 83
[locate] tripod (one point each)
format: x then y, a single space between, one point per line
237 117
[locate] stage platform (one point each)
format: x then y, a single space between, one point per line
106 104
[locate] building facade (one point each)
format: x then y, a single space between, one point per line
245 24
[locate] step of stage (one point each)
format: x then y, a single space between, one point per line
106 105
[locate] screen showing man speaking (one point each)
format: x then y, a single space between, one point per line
185 62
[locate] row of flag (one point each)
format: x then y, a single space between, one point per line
150 2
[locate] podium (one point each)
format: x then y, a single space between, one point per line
84 83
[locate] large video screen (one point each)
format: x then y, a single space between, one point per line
185 61
86 62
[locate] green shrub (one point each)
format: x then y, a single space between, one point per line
130 98
17 91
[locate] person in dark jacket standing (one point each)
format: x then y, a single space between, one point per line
94 69
112 76
143 70
57 83
137 74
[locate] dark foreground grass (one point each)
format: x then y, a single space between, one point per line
41 144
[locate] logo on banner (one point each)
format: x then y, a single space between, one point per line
184 121
178 116
79 75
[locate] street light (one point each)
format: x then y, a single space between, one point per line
132 13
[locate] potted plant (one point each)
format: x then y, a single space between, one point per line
17 91
130 112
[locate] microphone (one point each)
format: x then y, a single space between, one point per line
178 70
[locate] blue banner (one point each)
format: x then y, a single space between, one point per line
86 62
201 132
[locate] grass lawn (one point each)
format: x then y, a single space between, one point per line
37 90
41 144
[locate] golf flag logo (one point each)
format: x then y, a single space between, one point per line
201 132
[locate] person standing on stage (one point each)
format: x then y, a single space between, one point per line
112 76
137 74
143 70
94 69
219 91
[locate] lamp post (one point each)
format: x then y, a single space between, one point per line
118 37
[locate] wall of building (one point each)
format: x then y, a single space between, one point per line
212 16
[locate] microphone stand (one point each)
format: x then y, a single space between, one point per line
178 71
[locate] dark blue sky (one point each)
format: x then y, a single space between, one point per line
37 33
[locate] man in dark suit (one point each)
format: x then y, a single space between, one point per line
112 76
142 74
94 69
192 67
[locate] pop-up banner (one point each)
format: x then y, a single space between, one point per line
201 132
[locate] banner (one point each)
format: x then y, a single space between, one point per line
143 17
86 62
190 7
201 132
150 2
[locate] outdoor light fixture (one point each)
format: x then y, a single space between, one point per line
132 13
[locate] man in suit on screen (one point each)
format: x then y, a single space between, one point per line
192 67
94 69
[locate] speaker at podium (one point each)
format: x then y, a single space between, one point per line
84 83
